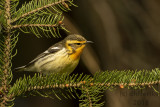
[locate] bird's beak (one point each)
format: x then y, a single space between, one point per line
89 42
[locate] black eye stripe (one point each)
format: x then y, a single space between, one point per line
70 44
78 43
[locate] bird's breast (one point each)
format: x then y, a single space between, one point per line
59 62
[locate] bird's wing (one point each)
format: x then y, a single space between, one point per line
53 49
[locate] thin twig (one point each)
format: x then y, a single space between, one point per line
33 25
89 98
38 9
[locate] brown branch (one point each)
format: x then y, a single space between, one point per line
38 9
6 57
80 84
33 25
89 98
84 84
99 84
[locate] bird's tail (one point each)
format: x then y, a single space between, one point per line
19 69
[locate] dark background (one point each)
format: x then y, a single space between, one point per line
126 35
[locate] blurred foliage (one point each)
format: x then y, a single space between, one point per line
125 32
125 35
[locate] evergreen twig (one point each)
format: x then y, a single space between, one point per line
38 9
34 25
88 96
6 57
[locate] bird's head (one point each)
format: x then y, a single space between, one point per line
75 45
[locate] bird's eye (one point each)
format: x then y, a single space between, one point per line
78 43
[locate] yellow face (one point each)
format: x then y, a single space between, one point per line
75 48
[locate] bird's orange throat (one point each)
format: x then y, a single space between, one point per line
77 53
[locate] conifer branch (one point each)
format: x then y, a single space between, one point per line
88 96
38 9
6 58
33 25
105 79
83 83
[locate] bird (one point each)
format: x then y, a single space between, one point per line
62 57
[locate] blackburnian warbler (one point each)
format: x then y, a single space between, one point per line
62 57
